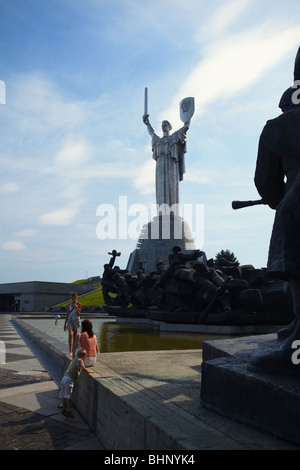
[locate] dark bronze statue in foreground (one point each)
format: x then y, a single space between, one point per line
277 178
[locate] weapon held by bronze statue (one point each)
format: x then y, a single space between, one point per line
241 204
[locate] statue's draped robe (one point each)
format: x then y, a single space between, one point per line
168 152
277 178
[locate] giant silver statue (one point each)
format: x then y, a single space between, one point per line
168 152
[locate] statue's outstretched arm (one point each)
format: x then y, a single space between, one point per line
147 122
186 126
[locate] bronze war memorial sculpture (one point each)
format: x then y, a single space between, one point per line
277 178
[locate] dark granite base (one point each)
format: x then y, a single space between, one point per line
269 403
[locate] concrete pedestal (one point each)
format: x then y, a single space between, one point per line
269 403
156 241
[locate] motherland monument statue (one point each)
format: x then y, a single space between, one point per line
167 228
169 154
277 179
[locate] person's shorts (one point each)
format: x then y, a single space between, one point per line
90 361
66 389
73 324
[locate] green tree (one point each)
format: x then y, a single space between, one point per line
228 255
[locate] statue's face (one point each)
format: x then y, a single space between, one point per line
165 126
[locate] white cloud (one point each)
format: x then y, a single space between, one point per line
72 154
9 187
37 104
224 17
13 245
234 63
144 177
26 233
198 176
61 217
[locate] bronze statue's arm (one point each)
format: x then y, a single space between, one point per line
186 126
183 130
147 123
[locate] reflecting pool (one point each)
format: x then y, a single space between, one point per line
115 337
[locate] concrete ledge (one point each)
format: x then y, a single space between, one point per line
125 418
269 403
51 352
217 348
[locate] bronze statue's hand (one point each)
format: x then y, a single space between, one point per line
146 118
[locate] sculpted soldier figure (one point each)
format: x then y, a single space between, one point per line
177 257
108 284
277 178
168 152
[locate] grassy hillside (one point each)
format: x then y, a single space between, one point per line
93 298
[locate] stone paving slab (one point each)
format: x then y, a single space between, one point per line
12 378
22 429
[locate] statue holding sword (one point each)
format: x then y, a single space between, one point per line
168 152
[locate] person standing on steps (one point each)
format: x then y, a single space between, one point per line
72 322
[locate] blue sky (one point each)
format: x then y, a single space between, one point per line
71 130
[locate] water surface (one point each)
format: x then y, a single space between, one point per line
115 337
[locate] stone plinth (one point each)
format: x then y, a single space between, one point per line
156 241
269 403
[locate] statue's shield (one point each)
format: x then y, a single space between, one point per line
187 109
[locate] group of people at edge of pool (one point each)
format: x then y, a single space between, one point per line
84 350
